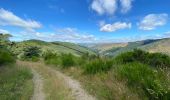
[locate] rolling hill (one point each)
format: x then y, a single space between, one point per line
57 47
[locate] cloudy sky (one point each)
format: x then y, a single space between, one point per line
85 20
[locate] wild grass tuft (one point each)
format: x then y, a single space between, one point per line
67 60
97 66
142 77
14 83
51 58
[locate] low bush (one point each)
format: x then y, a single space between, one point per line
140 76
31 53
64 60
6 57
67 60
152 59
98 65
51 58
158 60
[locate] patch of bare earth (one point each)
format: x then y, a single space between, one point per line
38 86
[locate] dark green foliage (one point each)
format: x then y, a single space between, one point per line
31 53
159 60
152 59
12 82
64 60
6 57
67 60
141 76
98 65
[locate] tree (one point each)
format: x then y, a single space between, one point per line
4 39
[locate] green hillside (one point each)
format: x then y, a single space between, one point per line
57 47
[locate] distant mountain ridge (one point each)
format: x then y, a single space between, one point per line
151 45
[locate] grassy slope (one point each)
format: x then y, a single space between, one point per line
58 47
15 83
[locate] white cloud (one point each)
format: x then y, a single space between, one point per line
8 18
126 5
104 6
115 26
3 31
152 21
65 34
110 6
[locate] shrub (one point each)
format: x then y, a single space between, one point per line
98 65
143 77
67 60
31 53
158 60
152 59
51 58
6 57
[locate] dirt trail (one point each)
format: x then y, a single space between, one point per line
38 86
38 93
77 91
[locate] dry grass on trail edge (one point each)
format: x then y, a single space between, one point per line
104 86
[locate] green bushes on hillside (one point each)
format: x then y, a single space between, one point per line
152 59
139 69
31 53
51 58
64 60
158 60
67 60
98 65
142 77
6 57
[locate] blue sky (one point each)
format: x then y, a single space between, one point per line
85 20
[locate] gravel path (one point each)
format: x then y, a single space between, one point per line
38 86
